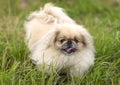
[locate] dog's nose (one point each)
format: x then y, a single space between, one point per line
69 42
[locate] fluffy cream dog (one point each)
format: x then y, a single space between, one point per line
54 39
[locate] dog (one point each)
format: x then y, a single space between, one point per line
56 40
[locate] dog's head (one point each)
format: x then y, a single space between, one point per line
70 39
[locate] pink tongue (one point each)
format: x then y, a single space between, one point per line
71 50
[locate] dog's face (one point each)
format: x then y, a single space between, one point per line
69 40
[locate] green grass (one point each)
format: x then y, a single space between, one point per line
100 17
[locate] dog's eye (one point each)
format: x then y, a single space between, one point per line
62 40
76 40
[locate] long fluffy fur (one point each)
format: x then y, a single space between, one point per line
40 31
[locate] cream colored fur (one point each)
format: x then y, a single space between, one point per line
41 29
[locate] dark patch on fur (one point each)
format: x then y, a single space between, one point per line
56 34
84 41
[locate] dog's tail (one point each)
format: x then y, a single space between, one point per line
51 14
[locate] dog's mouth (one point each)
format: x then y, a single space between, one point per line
69 50
69 47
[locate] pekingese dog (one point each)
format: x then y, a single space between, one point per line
54 39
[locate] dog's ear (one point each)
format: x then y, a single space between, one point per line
86 38
51 38
47 40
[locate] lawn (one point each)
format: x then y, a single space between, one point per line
100 17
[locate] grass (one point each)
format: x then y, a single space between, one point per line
100 17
